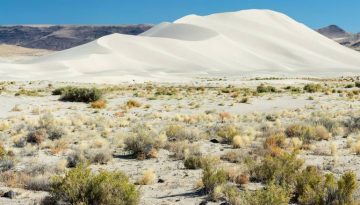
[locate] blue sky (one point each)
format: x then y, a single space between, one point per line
314 13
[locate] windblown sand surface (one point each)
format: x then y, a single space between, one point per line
225 44
11 53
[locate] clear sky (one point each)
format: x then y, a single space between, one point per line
314 13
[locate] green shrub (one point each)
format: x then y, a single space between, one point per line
305 133
312 187
141 142
265 89
60 91
293 89
346 186
309 187
282 169
80 186
212 178
272 194
312 88
197 162
193 162
3 151
349 86
357 84
73 94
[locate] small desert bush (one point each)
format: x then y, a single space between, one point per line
132 104
239 141
141 143
213 177
265 89
60 91
147 178
331 125
98 104
76 158
313 187
47 129
282 169
38 183
198 162
183 149
352 124
272 194
80 186
27 93
275 143
86 95
227 133
3 151
312 88
4 125
179 133
100 156
306 133
321 133
37 136
234 156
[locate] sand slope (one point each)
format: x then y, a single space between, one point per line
247 42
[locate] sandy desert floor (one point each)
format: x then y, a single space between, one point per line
223 122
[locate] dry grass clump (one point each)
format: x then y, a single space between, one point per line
147 178
132 104
321 133
213 177
179 133
46 129
352 124
141 143
227 133
306 133
100 156
80 186
183 149
224 116
240 141
234 156
14 179
4 125
275 143
198 162
76 158
356 147
98 104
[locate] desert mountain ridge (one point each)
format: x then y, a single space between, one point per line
334 32
61 37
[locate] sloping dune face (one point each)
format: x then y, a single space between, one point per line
233 44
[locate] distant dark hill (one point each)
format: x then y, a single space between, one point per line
341 36
61 37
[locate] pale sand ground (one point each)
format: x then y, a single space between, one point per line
10 53
179 185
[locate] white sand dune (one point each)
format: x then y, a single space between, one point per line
248 42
